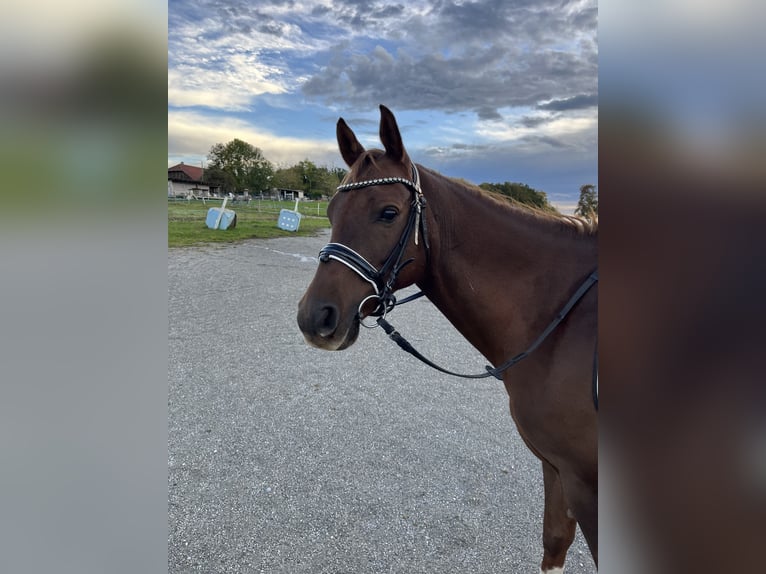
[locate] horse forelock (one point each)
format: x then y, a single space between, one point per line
366 166
367 157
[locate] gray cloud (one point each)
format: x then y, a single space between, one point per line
361 15
578 102
480 56
537 20
488 113
534 121
546 141
319 11
483 82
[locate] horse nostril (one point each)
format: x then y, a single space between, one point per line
327 320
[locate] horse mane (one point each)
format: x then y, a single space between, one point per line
570 223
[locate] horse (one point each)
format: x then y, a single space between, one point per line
499 273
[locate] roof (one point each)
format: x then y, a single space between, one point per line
192 172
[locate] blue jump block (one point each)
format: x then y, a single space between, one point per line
219 218
289 220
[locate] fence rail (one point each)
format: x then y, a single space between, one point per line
255 204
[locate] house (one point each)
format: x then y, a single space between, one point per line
287 194
187 181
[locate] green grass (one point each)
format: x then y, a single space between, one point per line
186 221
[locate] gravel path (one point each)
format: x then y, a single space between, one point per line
287 459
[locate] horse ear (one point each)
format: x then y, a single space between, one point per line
390 136
350 148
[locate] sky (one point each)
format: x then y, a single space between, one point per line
487 91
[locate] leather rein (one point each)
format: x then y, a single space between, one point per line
382 280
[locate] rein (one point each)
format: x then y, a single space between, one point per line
495 371
393 265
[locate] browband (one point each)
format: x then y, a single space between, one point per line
413 184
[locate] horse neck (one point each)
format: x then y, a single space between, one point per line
499 275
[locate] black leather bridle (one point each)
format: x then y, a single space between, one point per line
383 280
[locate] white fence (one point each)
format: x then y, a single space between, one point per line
305 207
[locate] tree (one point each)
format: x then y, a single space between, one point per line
315 181
244 164
288 178
338 173
216 177
587 205
309 177
522 193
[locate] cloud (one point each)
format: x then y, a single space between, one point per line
483 81
575 131
498 150
577 102
488 113
224 55
230 88
534 121
192 134
479 56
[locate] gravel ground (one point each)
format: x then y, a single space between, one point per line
287 459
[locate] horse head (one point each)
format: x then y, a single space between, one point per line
373 249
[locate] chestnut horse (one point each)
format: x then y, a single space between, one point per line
499 273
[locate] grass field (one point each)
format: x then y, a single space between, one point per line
186 221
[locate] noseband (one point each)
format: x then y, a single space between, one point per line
382 280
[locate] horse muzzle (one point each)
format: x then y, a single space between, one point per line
324 326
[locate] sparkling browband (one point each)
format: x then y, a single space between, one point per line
381 181
414 185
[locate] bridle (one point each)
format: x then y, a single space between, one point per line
383 280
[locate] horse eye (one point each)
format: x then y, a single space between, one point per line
389 214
